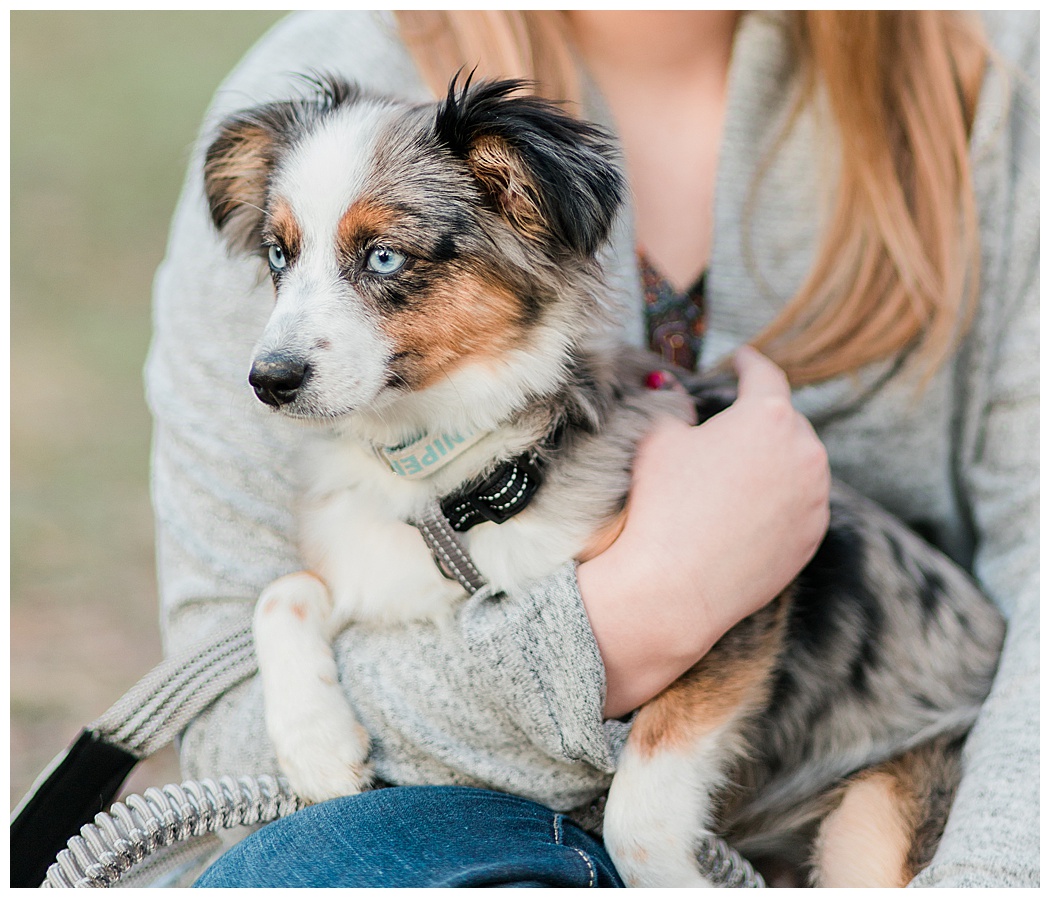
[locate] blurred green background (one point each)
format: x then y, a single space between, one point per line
104 108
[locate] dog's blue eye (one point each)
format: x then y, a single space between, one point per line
278 260
384 260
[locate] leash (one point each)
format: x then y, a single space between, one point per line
144 825
497 497
61 835
449 553
83 780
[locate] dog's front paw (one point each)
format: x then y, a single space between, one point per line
321 747
325 760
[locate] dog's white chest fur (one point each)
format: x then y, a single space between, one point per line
366 567
355 536
379 569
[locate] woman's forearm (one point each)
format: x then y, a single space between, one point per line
720 518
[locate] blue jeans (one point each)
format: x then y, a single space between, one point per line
450 836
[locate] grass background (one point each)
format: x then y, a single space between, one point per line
104 108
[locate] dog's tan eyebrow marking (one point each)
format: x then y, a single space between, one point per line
284 227
364 220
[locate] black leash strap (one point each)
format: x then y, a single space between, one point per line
79 785
84 780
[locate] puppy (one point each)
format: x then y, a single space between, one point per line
439 310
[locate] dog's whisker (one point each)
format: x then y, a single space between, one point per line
258 209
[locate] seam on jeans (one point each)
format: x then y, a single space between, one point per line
591 871
590 867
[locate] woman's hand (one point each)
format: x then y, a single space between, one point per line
720 519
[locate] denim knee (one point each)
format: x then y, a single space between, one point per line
436 836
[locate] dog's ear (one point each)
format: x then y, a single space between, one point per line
240 160
552 177
237 169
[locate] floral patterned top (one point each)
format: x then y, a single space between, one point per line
675 321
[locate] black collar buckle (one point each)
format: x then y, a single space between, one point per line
496 498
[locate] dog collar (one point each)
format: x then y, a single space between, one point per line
497 497
426 454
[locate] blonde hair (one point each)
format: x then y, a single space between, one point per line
898 267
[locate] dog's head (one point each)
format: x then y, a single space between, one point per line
415 248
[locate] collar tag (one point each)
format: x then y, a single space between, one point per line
423 455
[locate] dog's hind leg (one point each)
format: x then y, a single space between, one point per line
682 746
889 819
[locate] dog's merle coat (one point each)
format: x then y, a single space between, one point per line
436 270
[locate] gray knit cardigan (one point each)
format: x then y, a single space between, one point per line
510 694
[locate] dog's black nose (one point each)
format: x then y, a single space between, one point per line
276 378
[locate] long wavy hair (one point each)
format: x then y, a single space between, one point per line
897 271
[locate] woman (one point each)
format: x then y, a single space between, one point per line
860 190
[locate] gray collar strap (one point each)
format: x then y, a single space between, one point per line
449 552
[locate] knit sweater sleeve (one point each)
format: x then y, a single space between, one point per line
992 838
224 491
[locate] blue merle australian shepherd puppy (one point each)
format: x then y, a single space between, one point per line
439 312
